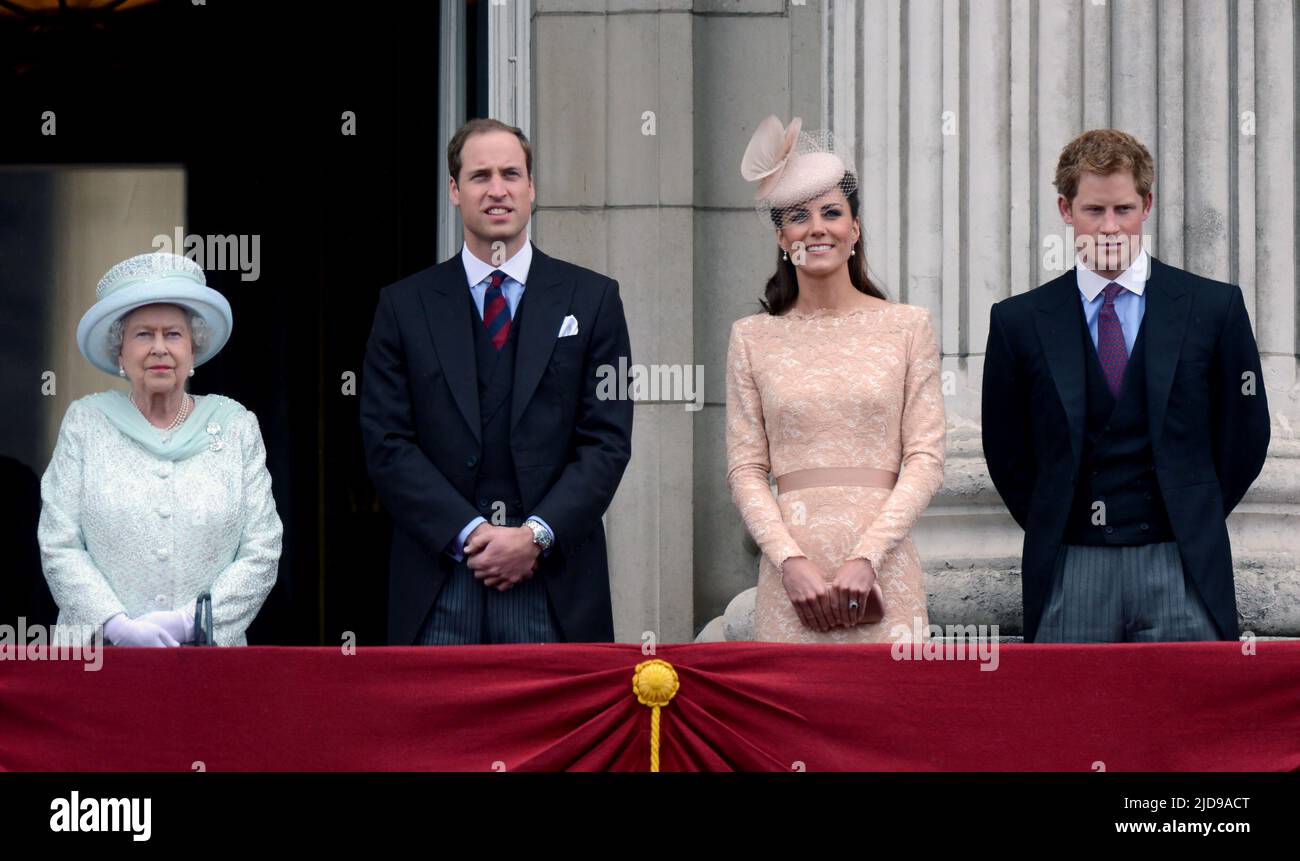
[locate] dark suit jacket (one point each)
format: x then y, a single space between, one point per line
1209 438
421 429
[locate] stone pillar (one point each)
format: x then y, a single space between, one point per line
961 188
762 58
956 112
613 95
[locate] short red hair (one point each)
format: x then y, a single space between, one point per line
1104 152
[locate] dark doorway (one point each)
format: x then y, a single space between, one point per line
248 99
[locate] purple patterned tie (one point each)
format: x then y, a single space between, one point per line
496 311
1110 341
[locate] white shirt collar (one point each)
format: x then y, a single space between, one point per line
516 267
1133 278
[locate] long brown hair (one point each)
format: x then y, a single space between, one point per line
783 287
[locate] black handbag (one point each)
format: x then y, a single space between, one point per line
202 621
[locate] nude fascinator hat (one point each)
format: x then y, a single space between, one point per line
792 166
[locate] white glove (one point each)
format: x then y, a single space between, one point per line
125 631
175 622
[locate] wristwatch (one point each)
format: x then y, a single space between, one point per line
541 536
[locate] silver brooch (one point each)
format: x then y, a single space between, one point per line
213 430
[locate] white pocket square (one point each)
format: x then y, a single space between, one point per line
568 327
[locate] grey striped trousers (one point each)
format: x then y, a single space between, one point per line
468 613
1118 594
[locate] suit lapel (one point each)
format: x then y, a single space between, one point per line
449 317
1165 319
548 296
1058 321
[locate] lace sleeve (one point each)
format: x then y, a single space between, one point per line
924 431
747 457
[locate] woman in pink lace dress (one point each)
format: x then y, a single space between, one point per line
834 391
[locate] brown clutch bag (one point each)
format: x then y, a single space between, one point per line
875 603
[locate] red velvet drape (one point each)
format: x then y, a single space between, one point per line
744 706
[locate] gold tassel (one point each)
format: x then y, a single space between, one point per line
655 684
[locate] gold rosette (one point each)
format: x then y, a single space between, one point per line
655 684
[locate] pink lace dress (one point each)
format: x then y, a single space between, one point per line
856 388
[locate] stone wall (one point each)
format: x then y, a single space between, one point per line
955 113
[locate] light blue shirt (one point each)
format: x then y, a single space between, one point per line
1130 304
479 274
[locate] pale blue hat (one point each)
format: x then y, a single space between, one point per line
147 279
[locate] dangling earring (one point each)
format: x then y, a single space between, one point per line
784 254
852 251
121 371
191 372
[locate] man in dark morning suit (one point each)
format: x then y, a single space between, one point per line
489 433
1124 416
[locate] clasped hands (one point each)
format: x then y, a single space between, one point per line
502 557
160 628
823 604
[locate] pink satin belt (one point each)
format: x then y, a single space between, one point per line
847 476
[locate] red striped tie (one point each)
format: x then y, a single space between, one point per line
1111 349
496 311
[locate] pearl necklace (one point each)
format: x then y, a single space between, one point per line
181 414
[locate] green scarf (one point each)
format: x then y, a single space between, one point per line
192 437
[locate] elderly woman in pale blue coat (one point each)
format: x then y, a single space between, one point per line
155 496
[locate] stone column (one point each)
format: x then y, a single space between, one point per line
963 108
613 95
956 112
